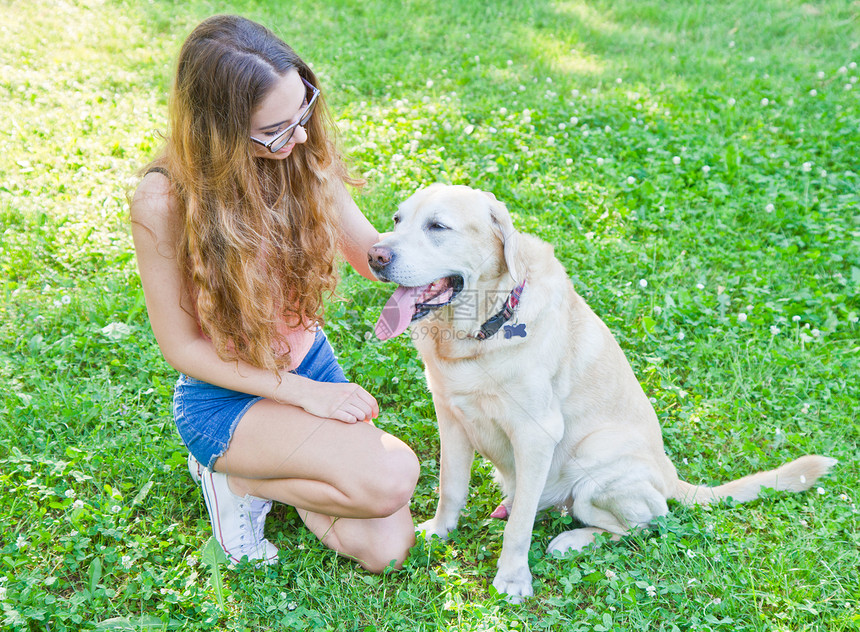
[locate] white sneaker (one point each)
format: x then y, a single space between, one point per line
195 468
237 522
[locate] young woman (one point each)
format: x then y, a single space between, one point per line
236 227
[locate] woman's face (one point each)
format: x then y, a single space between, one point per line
281 107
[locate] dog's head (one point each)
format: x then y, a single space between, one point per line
445 239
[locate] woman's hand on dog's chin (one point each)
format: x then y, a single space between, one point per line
346 402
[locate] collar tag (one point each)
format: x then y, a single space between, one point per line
492 325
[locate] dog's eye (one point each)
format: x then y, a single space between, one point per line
396 220
437 226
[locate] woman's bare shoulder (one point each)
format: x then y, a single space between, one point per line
154 203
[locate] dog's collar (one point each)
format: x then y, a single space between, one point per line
492 325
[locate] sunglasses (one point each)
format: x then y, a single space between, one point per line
283 137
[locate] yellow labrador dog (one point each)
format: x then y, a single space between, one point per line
523 372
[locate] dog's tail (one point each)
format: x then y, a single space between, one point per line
795 476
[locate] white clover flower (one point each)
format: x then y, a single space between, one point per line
820 74
742 318
469 129
78 504
2 593
806 167
813 93
732 44
765 101
852 65
631 180
795 318
115 509
821 491
774 330
690 553
599 162
676 160
717 601
651 591
848 86
607 129
69 493
643 283
569 161
700 286
574 120
750 59
21 542
815 333
429 83
477 59
510 62
731 102
126 562
681 335
769 208
395 380
706 169
610 574
550 140
191 560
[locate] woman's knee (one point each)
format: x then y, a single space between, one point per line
394 480
390 549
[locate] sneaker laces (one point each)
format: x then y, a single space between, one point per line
255 510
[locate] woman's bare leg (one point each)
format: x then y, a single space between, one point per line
351 483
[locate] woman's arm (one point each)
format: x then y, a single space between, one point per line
357 235
179 337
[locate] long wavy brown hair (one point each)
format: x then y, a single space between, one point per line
258 237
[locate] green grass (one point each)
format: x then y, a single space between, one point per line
745 333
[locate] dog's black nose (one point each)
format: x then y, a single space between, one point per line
379 257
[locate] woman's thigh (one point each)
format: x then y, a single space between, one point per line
358 461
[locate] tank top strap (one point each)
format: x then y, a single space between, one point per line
160 170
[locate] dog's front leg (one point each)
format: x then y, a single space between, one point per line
455 468
533 450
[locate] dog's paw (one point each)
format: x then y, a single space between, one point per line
432 528
573 540
515 585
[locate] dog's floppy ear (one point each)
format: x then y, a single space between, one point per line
504 229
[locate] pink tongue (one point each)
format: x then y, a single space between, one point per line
398 312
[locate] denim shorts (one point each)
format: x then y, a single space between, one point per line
206 415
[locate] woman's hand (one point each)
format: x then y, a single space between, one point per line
346 402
